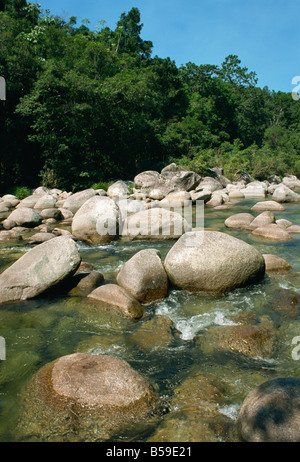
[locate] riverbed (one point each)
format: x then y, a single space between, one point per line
41 330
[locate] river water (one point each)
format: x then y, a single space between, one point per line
41 330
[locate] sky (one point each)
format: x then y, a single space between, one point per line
264 34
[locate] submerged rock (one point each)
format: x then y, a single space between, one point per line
272 231
41 268
214 262
155 334
275 263
271 412
85 398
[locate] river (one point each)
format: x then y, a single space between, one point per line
41 330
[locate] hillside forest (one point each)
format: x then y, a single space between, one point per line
87 105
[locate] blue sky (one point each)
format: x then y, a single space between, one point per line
265 34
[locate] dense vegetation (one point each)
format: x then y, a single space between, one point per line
88 105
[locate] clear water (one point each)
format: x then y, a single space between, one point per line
41 330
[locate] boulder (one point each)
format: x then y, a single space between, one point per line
41 191
179 181
239 221
41 268
46 201
97 221
155 223
88 282
291 181
218 197
146 180
272 231
284 194
268 205
25 216
112 296
255 189
271 412
51 213
212 184
118 189
144 276
275 263
293 229
175 199
201 195
75 201
211 261
29 201
39 238
263 219
85 397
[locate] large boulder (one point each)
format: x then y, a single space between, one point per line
144 276
155 223
146 180
271 412
75 201
25 216
180 181
211 261
212 184
41 268
291 181
284 194
84 397
255 189
118 299
97 221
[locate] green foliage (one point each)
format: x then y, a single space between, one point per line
85 105
102 185
20 192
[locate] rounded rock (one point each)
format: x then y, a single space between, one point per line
212 261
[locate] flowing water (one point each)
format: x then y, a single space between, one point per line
41 330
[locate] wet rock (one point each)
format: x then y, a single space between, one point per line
268 205
287 303
144 276
97 221
272 231
25 216
248 340
114 297
10 235
85 397
155 223
275 263
283 223
41 268
293 229
75 201
89 282
255 189
214 262
156 334
271 412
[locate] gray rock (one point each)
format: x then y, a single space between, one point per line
39 269
211 261
25 216
75 201
144 276
97 221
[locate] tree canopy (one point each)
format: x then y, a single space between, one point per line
86 105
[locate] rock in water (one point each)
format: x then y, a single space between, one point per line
271 412
82 397
211 261
97 221
144 276
39 269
